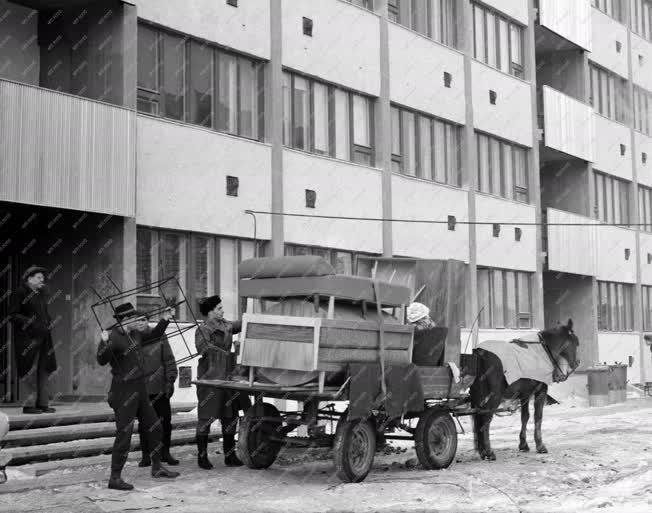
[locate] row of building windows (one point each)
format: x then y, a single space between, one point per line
608 93
615 310
497 41
505 299
426 147
189 80
327 120
502 168
641 17
435 19
611 199
613 8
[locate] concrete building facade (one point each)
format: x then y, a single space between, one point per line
167 120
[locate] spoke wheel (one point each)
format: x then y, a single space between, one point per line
256 445
435 439
354 449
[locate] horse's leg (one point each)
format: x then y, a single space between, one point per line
478 441
484 431
539 402
525 417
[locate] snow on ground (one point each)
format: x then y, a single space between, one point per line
600 460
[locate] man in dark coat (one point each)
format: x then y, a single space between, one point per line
213 340
122 347
160 374
35 357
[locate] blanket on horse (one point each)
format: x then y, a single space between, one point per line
527 359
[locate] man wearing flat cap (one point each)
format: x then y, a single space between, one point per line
35 357
122 348
213 340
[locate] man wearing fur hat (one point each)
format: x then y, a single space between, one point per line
35 357
213 340
122 348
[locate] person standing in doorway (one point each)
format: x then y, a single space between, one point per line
35 357
122 348
213 340
160 374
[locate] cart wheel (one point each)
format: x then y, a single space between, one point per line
255 444
435 439
354 449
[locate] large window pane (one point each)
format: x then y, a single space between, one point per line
498 299
201 84
440 151
227 84
420 16
484 298
494 155
483 163
287 108
524 300
248 98
491 39
521 173
228 259
409 143
343 262
173 75
508 170
516 44
512 307
603 311
301 102
453 149
144 268
396 131
425 148
503 48
437 21
320 119
342 125
361 128
172 258
204 272
147 57
479 33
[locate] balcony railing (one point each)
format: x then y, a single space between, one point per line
569 19
568 124
64 151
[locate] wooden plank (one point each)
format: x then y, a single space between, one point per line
279 354
356 339
330 355
362 325
280 332
280 319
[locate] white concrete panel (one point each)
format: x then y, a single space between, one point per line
343 189
417 65
504 251
516 9
181 179
568 124
606 33
244 28
491 334
618 347
571 20
511 117
612 265
344 47
645 249
643 169
607 155
642 62
420 199
572 249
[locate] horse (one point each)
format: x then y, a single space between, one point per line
490 387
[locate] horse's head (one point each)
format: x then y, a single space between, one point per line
563 345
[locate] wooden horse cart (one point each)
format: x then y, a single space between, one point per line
315 338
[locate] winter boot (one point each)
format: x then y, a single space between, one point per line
168 458
230 457
159 470
116 482
202 452
146 461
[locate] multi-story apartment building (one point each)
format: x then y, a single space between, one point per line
134 136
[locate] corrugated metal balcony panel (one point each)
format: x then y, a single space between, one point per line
572 249
64 151
571 20
569 124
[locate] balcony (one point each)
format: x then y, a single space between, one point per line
568 124
571 249
64 151
564 20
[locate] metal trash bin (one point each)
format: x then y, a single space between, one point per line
598 384
620 374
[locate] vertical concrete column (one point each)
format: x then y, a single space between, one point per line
129 44
634 207
533 163
275 125
383 131
469 159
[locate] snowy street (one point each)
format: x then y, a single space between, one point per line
600 460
